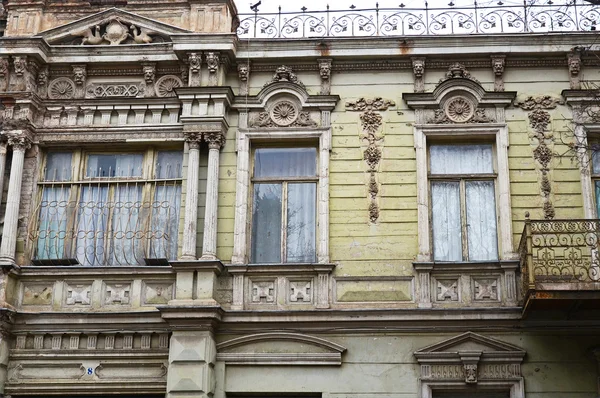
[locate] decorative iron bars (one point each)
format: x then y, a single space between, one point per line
571 16
560 251
116 223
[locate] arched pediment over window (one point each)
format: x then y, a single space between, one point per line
280 348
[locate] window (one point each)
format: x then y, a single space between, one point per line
101 209
596 179
463 204
284 205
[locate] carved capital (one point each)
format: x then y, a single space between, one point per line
19 142
193 138
215 140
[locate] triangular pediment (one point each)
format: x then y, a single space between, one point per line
469 342
111 27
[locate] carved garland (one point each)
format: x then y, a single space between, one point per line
283 114
371 121
539 119
460 109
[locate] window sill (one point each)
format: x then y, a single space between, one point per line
36 270
280 269
466 266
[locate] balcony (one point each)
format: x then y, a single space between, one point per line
455 19
560 265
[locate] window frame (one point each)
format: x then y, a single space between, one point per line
462 179
148 181
248 138
284 181
495 133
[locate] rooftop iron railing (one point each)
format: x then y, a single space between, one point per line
559 251
533 17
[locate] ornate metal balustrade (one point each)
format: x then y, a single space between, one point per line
116 223
570 16
560 251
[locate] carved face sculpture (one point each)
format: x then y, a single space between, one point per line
283 73
325 70
498 66
212 60
243 71
42 78
20 66
79 75
418 68
3 66
195 62
149 74
574 66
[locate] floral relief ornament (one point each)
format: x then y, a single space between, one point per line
166 85
366 104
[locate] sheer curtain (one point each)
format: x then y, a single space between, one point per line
92 225
447 231
53 209
126 240
461 159
481 220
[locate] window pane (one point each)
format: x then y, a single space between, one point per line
481 221
285 162
168 164
165 221
53 223
596 162
301 223
92 212
597 184
115 165
58 166
460 159
266 224
126 238
447 232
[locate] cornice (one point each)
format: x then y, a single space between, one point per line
35 272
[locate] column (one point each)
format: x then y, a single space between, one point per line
3 148
209 245
20 144
190 228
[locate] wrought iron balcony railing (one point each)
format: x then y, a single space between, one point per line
107 223
559 251
528 17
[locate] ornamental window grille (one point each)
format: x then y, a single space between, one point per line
284 196
108 209
596 178
463 202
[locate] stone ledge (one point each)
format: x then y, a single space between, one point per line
280 269
215 266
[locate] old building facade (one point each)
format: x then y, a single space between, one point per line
378 203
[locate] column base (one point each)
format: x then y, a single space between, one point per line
208 257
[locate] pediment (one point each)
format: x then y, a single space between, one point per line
470 342
280 348
111 27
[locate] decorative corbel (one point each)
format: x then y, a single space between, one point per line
325 73
418 64
470 361
42 81
149 70
195 65
498 62
244 76
574 62
79 78
4 73
18 79
213 62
